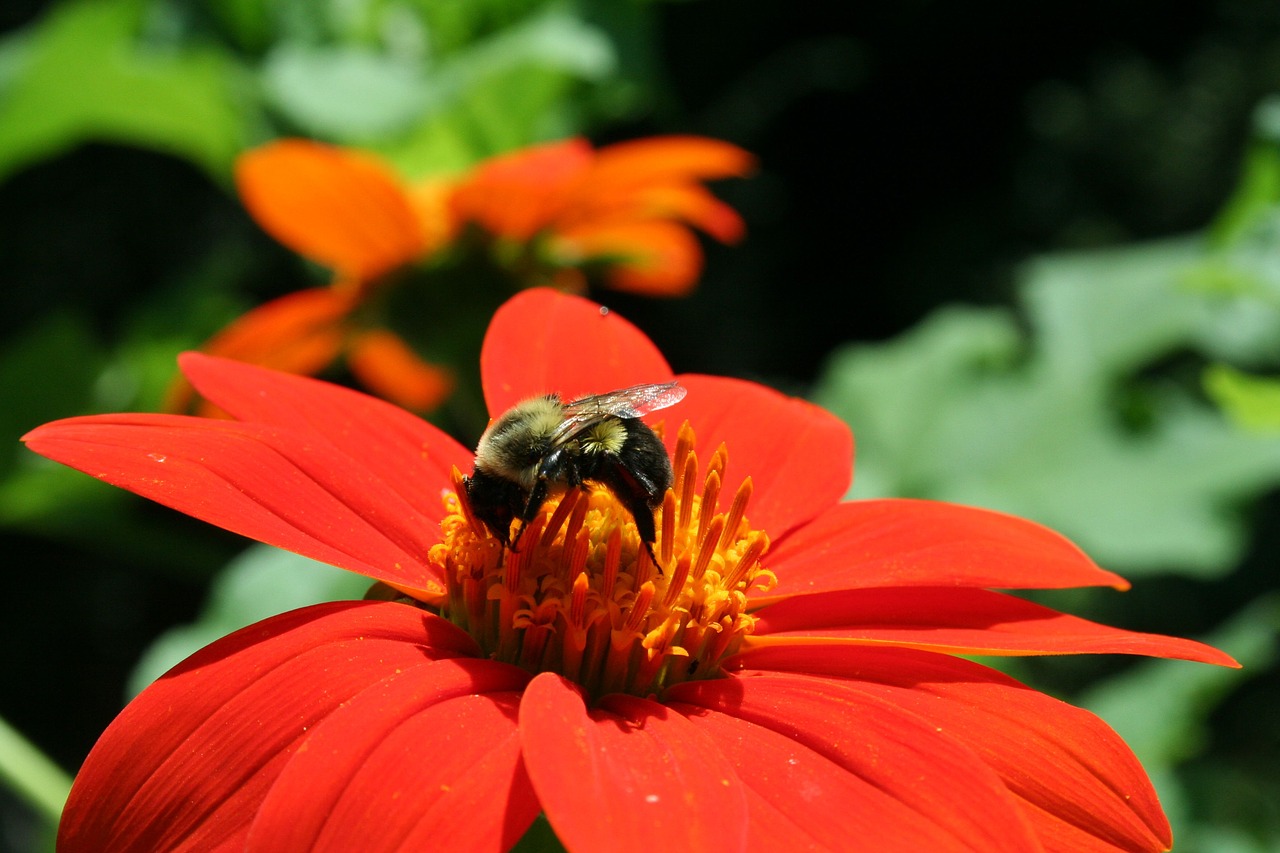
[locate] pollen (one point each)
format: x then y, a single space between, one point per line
583 596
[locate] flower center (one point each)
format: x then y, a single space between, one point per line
582 597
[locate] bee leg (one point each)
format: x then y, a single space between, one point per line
648 546
635 496
493 501
537 497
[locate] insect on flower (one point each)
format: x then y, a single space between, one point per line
543 443
797 678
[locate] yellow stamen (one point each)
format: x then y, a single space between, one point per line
710 494
581 596
734 517
612 556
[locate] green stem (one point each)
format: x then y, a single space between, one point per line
31 775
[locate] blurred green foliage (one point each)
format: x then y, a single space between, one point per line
1073 423
1105 404
1121 390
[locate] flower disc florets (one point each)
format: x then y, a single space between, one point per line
582 596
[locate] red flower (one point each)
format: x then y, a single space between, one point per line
787 679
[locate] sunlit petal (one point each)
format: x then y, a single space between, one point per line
799 456
267 483
898 542
541 341
425 758
876 769
202 745
963 621
696 206
655 781
1083 788
408 455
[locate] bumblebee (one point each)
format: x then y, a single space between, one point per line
544 444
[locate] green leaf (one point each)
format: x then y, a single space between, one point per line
1253 402
1256 195
246 22
1055 425
1174 729
31 775
46 372
84 75
501 92
1104 313
346 94
262 582
505 92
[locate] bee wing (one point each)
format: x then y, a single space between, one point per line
633 402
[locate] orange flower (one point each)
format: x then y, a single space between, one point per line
349 212
628 206
339 207
626 209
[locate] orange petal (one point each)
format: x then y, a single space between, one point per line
300 332
689 203
652 258
339 207
695 205
516 195
668 158
385 364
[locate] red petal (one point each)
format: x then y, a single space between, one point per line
339 207
960 621
190 759
541 341
285 488
409 455
425 759
1083 788
629 775
799 456
882 776
913 542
